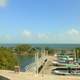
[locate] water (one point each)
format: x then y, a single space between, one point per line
25 60
46 45
57 45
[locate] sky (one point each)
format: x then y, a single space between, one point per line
39 21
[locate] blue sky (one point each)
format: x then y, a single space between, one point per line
39 21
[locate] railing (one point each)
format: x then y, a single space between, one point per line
32 67
29 67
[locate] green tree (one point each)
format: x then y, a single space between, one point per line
23 49
50 50
32 51
7 59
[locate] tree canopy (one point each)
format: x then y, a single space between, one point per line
50 50
7 59
23 48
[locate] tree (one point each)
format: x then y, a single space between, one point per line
32 51
50 50
7 59
23 49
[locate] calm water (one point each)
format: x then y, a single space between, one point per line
46 45
25 60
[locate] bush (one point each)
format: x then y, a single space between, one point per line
7 59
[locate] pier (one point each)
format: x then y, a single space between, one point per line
38 64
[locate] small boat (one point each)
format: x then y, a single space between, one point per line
55 63
66 71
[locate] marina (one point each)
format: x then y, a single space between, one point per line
45 74
48 65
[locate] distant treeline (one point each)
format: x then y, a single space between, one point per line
26 49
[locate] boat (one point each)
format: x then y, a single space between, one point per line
55 63
66 71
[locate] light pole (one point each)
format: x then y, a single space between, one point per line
75 55
37 64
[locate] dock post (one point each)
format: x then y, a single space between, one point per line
36 61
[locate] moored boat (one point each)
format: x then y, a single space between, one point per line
66 71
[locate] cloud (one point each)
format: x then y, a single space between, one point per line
3 3
42 36
26 34
73 32
70 36
7 38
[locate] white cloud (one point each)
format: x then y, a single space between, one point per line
73 32
42 36
30 35
6 38
70 36
3 3
26 34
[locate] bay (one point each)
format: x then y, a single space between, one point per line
46 45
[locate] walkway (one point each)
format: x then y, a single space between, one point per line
30 76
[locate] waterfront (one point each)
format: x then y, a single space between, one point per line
26 60
44 65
